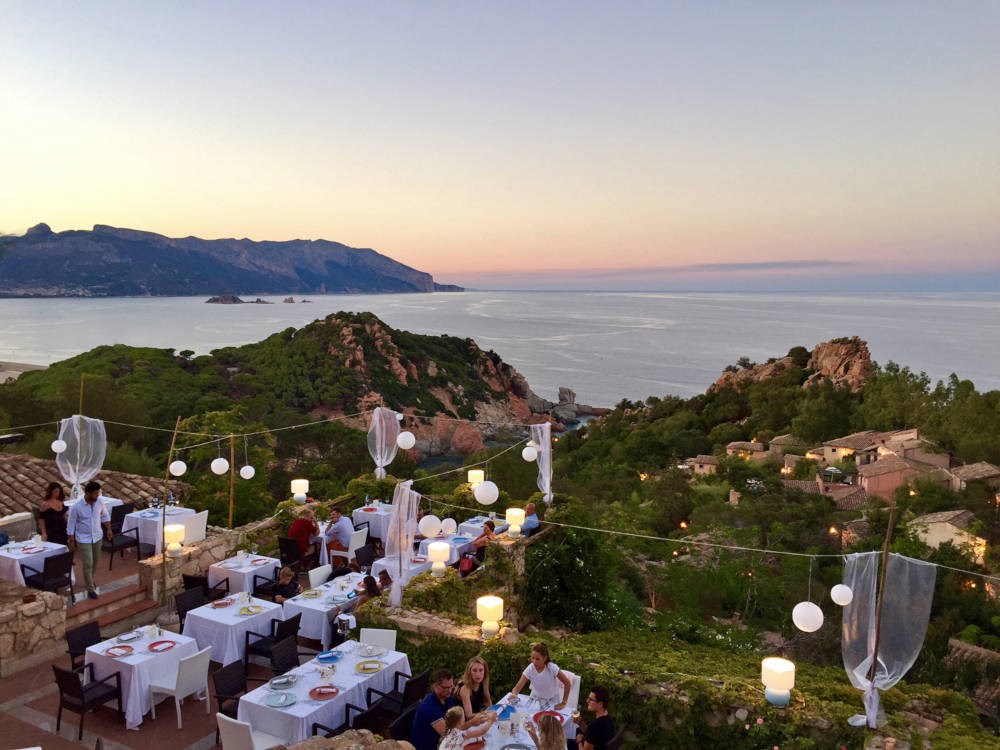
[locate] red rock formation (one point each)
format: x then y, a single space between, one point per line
845 361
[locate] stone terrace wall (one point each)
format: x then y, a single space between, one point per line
31 632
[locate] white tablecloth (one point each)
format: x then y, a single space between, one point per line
526 708
139 669
315 612
240 574
149 523
109 502
474 526
458 543
10 562
294 722
224 628
388 564
377 517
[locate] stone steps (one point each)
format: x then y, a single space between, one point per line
117 610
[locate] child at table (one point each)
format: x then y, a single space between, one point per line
455 738
287 585
544 676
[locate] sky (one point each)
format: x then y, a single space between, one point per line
637 145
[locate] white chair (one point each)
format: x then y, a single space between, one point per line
239 735
190 677
318 576
574 689
379 637
195 527
358 539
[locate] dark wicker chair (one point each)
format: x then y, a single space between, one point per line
79 639
230 682
121 540
79 698
402 725
265 587
187 600
393 703
212 593
56 573
264 644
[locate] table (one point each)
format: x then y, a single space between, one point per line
294 722
224 628
150 521
109 502
315 612
240 573
525 708
377 518
10 562
457 543
388 564
474 526
139 669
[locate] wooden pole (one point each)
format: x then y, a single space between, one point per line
81 394
232 476
881 592
163 514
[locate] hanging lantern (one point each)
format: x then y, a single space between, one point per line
177 468
841 594
220 466
247 472
430 526
449 526
807 617
530 453
486 493
58 446
406 440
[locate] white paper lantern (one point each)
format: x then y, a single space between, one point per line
807 617
220 466
58 446
841 594
399 417
406 440
177 468
530 453
247 472
449 526
430 526
486 493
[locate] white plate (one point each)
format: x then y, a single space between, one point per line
280 699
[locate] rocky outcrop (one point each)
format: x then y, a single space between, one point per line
352 739
844 361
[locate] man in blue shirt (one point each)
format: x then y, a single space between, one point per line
530 525
338 532
428 721
87 525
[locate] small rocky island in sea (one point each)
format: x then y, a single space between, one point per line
232 299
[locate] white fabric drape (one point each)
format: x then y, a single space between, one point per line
86 444
541 435
906 609
402 527
382 434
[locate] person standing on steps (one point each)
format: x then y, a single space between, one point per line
87 526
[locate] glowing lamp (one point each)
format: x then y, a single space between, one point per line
476 476
173 535
515 517
438 553
489 609
778 676
247 472
807 617
406 440
300 490
177 468
486 493
58 446
220 466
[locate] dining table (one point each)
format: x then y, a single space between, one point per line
288 711
458 545
474 526
141 658
376 516
316 606
224 623
415 565
150 523
240 570
33 554
510 728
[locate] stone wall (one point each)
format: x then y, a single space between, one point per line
32 627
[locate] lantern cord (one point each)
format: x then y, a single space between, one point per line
809 584
460 469
246 451
33 426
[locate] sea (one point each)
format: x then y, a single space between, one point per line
605 346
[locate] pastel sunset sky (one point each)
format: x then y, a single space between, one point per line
637 145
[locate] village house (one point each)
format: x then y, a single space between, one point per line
955 526
749 451
845 447
781 444
702 465
885 476
844 496
980 471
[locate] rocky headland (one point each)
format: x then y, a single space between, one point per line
844 361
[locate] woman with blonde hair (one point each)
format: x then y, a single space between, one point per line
474 688
454 737
550 734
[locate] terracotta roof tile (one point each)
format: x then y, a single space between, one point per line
960 518
979 470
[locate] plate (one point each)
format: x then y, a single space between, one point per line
150 513
260 561
251 609
368 667
159 646
126 637
516 746
221 603
369 651
328 657
540 714
282 681
476 745
32 550
323 692
310 593
418 560
370 510
280 699
460 539
116 651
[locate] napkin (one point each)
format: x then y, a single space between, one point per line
351 622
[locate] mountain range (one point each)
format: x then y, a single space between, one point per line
114 262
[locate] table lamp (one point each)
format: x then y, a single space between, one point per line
515 517
173 535
438 553
489 609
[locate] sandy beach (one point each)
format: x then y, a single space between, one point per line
13 370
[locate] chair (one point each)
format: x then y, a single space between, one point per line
395 702
402 725
56 572
79 638
285 655
195 528
318 576
379 637
574 689
367 718
616 742
79 698
239 735
190 678
212 593
265 587
292 556
229 683
358 539
121 540
365 555
187 600
264 645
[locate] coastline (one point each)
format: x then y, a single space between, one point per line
14 370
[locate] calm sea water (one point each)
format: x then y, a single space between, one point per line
605 345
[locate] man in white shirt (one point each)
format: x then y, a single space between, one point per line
87 525
338 531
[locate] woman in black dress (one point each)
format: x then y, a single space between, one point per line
52 514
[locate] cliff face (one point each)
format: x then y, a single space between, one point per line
110 261
844 361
